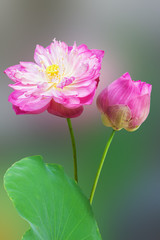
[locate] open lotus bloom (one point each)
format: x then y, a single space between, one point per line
62 80
125 103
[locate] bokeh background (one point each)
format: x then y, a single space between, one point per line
127 200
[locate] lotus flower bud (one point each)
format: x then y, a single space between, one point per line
125 103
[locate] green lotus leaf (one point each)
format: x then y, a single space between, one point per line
51 202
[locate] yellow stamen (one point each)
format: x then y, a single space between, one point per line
52 71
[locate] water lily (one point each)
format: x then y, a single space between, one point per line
62 80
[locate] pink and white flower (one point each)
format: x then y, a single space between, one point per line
62 80
125 103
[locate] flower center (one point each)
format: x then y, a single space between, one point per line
52 71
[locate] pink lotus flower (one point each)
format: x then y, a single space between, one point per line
63 79
125 103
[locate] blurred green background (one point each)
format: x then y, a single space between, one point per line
127 200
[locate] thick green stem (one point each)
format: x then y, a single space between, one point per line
73 148
100 167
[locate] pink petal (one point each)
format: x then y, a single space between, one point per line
11 72
84 91
139 107
99 54
29 103
103 101
61 111
24 73
41 56
82 48
122 91
143 87
87 99
65 82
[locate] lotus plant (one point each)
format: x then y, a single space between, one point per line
62 80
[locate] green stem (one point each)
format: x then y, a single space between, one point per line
100 167
74 149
